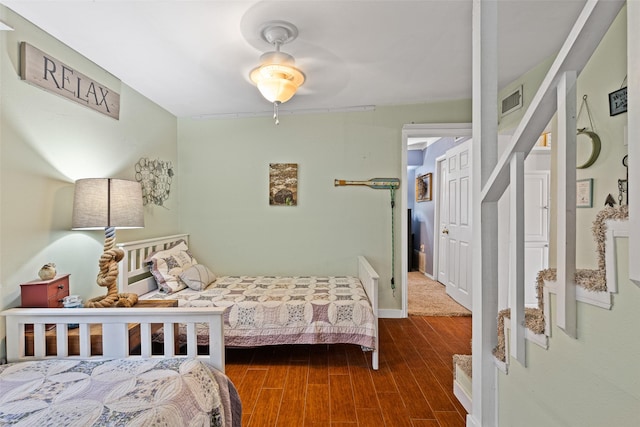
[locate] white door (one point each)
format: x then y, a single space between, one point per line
536 229
536 258
536 206
458 231
443 221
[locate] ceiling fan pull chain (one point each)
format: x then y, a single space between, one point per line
275 112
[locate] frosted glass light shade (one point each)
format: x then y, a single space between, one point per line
277 82
277 89
99 203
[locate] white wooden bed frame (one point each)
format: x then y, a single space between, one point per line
135 277
115 331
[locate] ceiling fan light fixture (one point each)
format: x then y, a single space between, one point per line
277 82
276 77
277 89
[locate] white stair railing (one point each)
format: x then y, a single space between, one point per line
493 177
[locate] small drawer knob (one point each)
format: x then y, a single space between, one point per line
60 286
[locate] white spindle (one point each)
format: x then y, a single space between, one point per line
145 339
192 340
169 339
62 334
39 340
516 257
566 212
84 336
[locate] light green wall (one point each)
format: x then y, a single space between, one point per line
530 83
603 74
592 380
224 190
46 143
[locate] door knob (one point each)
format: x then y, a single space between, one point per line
445 231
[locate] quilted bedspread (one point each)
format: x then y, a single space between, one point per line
285 310
131 392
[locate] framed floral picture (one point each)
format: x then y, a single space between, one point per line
423 188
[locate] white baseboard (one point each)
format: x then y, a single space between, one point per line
471 422
389 313
463 397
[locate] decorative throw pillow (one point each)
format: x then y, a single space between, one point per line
167 265
197 277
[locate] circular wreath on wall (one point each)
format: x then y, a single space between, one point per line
154 177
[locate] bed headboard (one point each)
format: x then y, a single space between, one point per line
134 276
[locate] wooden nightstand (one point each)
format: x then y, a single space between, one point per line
45 293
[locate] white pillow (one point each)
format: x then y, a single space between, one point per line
197 277
167 265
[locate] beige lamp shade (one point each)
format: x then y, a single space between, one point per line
100 203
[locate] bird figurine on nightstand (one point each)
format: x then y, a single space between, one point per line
48 271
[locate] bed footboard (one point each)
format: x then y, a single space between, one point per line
369 279
115 331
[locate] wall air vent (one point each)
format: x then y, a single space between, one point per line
512 102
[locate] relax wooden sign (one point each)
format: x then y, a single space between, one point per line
40 69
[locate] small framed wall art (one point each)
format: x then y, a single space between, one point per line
423 188
283 184
584 193
618 102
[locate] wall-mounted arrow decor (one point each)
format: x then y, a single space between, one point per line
391 184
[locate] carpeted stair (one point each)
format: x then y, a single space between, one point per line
535 321
592 280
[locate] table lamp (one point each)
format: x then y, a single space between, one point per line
107 203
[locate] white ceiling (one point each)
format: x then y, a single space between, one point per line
193 57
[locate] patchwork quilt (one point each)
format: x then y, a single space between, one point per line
284 310
118 392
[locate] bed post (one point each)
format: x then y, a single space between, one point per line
216 342
369 279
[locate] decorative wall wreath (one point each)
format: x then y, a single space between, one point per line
154 177
595 147
596 144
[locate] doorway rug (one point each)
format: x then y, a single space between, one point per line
429 298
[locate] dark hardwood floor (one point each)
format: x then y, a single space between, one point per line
313 386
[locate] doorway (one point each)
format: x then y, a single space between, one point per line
411 133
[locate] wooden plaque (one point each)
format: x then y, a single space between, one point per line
40 69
